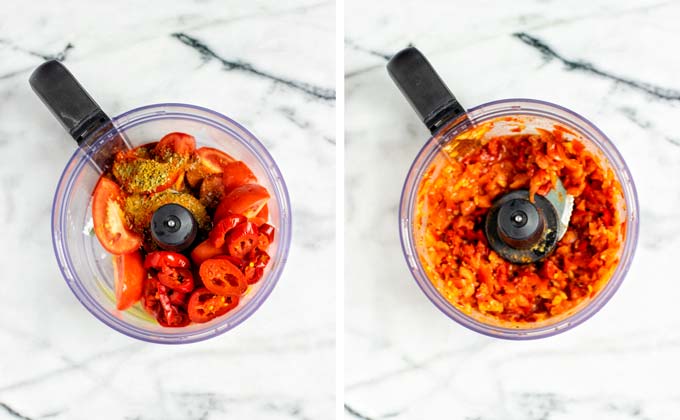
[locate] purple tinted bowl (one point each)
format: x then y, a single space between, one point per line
513 107
212 122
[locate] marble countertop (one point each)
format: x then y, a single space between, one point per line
268 65
613 62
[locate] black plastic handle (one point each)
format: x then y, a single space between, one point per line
423 88
75 109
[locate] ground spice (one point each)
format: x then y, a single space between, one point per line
455 194
139 208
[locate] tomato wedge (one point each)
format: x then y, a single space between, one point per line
204 251
236 174
160 259
242 239
205 305
109 219
247 200
213 160
223 227
222 277
128 277
179 143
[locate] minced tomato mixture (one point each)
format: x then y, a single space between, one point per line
456 193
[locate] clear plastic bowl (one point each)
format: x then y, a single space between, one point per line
532 114
88 268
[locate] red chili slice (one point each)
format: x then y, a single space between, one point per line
160 259
205 305
150 301
171 315
179 279
224 226
242 239
222 277
253 269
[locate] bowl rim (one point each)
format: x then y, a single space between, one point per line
630 242
174 335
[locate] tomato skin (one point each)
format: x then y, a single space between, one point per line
247 200
242 239
204 251
109 219
222 277
204 305
236 174
160 259
128 275
180 143
264 213
213 160
223 227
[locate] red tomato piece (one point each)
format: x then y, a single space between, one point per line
160 259
236 174
222 277
223 227
179 143
128 276
264 213
178 279
109 219
213 160
205 305
247 200
204 251
242 239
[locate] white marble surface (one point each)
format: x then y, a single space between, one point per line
56 360
403 358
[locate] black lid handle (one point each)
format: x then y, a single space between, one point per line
424 89
75 109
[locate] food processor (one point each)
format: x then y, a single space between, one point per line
86 266
520 230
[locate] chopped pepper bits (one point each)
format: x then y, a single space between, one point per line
455 194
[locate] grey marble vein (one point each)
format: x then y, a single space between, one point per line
12 412
208 54
355 46
549 53
356 414
59 56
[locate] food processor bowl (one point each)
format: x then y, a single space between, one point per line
511 117
88 268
